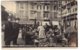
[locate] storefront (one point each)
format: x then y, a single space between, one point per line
71 21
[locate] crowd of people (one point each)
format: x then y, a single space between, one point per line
41 35
38 35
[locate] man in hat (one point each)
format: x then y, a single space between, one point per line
16 27
8 32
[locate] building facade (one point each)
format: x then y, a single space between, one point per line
69 13
38 10
53 10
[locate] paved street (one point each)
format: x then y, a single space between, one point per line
21 42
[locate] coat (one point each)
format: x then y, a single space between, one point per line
11 31
8 31
16 27
41 32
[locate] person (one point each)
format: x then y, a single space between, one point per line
8 32
46 27
36 41
49 37
24 30
41 34
28 37
69 33
57 36
15 34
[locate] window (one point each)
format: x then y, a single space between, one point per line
55 2
69 10
55 7
55 14
75 9
26 13
32 7
33 12
38 15
75 2
46 14
21 13
44 7
47 7
37 6
66 1
21 5
40 7
59 5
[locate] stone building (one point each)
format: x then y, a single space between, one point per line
41 11
69 13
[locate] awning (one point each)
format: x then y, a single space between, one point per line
26 22
70 30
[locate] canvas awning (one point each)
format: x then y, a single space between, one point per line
70 30
26 22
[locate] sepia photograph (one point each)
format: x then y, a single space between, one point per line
39 23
